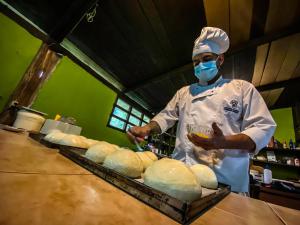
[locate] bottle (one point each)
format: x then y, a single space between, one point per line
267 175
291 144
290 161
297 162
275 143
271 143
284 145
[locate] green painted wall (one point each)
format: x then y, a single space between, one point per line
70 90
285 125
17 49
284 131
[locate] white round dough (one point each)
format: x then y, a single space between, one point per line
125 162
146 160
205 175
83 139
98 152
73 140
151 155
174 178
91 142
116 146
55 136
48 137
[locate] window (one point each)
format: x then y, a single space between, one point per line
124 116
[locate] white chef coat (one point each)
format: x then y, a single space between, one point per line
237 107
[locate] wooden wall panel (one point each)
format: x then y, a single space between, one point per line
265 95
273 96
261 55
296 72
277 53
240 21
217 14
281 14
243 63
291 59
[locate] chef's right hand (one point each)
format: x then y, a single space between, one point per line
138 133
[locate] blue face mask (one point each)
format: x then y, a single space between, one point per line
206 71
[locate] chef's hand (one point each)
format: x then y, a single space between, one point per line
214 142
219 141
138 133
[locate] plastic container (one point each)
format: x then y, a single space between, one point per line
29 121
50 125
267 175
201 131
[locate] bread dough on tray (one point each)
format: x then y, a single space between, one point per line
55 136
151 155
98 152
206 176
146 160
125 162
91 142
174 178
73 140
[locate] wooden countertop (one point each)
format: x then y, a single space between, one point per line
40 186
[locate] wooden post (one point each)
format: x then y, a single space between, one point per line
40 69
296 119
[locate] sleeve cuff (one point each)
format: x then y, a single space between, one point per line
260 138
161 122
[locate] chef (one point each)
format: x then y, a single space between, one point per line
231 110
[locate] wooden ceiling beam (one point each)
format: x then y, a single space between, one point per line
16 16
267 38
279 84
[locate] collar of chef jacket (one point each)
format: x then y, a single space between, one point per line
199 91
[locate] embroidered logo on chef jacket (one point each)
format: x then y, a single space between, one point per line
233 106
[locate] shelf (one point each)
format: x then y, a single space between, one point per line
170 135
275 163
155 140
281 150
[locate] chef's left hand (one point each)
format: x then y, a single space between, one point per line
214 142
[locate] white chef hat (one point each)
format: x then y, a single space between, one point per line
211 39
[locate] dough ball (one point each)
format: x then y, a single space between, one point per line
117 147
146 160
174 178
83 139
55 136
125 162
205 175
91 142
73 140
151 155
98 152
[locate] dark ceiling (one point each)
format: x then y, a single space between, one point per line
136 40
146 45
